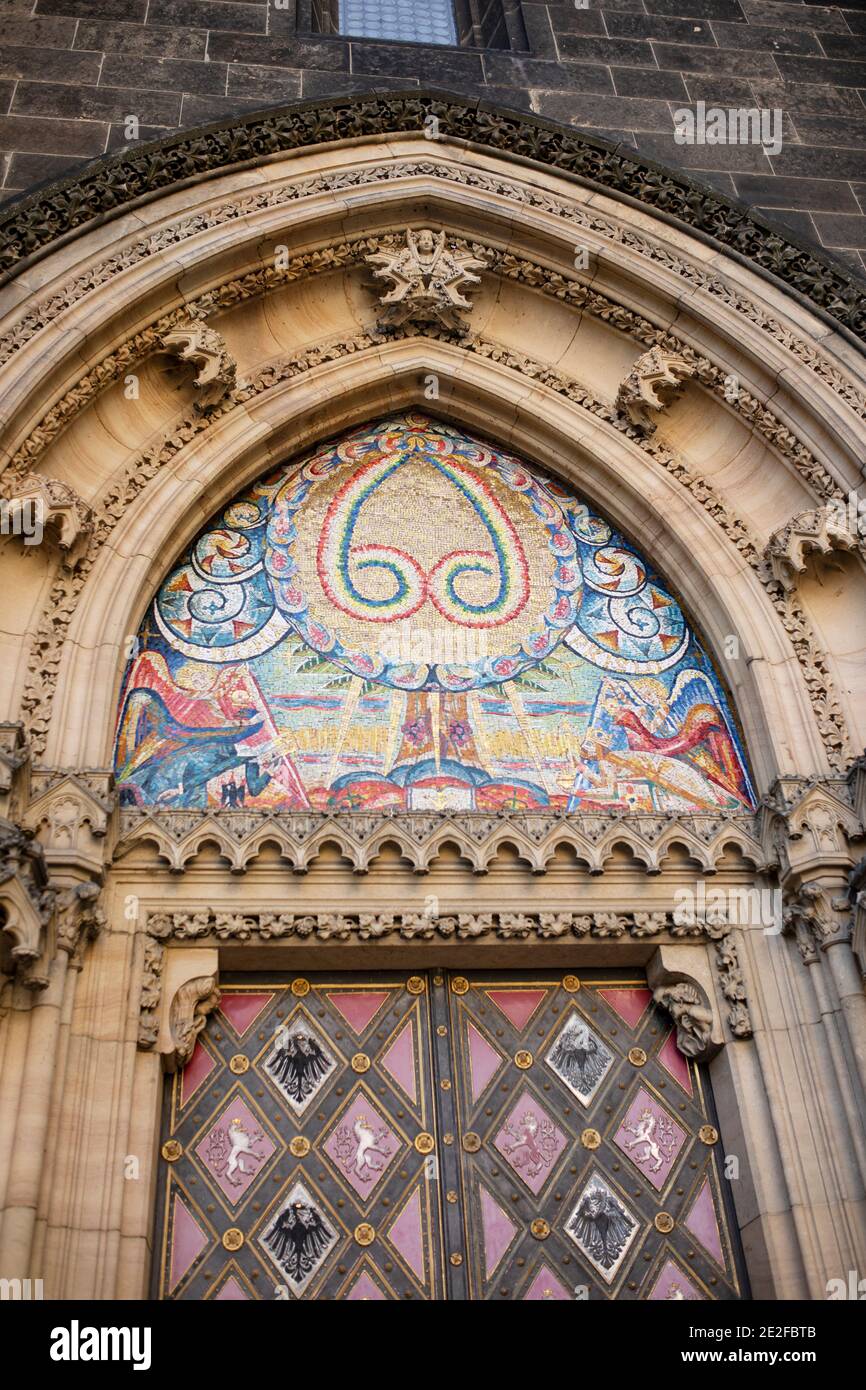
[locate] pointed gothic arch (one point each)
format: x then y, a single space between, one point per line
181 321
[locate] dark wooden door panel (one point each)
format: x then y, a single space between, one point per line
441 1136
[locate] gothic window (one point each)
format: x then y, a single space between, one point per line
410 618
413 21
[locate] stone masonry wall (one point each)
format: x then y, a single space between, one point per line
73 71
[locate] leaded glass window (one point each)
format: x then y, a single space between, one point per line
413 21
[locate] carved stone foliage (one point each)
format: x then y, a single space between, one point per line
57 509
190 925
654 382
240 836
79 919
429 279
205 349
733 986
571 290
32 224
601 228
820 531
151 992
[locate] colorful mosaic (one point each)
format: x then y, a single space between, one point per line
411 618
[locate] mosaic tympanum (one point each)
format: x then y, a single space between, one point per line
412 618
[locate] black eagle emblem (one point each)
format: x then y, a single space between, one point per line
298 1239
578 1058
298 1065
601 1225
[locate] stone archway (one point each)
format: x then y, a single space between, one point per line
176 327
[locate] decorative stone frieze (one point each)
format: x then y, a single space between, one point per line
34 222
195 924
430 277
178 835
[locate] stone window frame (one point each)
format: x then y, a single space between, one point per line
481 24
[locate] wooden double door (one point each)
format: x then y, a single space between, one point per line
442 1136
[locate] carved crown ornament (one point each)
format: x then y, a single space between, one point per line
820 531
28 228
654 382
429 277
196 343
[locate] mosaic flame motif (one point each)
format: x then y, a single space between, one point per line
413 618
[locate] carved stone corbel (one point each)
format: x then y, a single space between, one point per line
197 343
188 993
820 531
654 382
681 981
41 506
428 278
79 919
26 898
816 919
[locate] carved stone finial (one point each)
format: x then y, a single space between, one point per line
820 531
428 279
44 506
206 349
654 382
